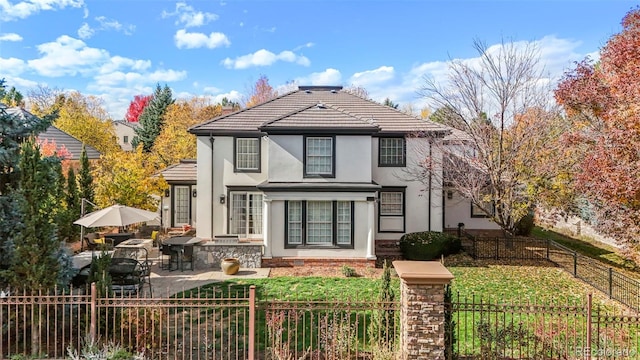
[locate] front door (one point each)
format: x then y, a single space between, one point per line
245 218
181 205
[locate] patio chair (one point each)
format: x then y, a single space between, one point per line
95 243
186 257
166 256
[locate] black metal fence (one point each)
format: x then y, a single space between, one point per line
613 283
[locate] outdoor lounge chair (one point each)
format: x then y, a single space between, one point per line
95 243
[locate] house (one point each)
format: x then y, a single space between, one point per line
58 137
317 173
178 204
125 132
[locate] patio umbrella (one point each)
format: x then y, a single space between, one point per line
116 215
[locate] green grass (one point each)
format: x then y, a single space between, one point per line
602 252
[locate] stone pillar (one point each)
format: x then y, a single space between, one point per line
371 234
422 308
266 227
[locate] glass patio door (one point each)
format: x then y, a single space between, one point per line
181 205
245 214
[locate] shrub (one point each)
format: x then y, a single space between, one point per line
428 245
525 225
348 271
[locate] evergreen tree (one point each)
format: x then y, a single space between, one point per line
389 103
381 329
72 200
13 131
60 211
37 265
151 119
85 182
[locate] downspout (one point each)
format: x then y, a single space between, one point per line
212 140
430 176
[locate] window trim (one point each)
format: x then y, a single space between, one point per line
236 169
333 157
334 227
404 152
402 190
479 214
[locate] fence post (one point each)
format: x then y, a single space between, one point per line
587 348
94 316
422 329
548 249
575 264
252 321
610 283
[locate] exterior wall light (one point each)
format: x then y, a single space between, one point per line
194 192
222 199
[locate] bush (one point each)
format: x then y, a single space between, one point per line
348 271
525 225
428 245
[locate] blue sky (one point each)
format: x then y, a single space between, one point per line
116 49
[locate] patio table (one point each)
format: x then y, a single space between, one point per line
177 245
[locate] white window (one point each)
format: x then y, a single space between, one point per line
319 223
343 219
245 215
125 139
391 152
294 222
319 156
247 154
391 203
181 205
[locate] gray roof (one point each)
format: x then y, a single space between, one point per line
132 125
61 138
183 172
298 111
73 145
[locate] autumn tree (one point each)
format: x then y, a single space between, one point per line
84 118
151 120
12 97
42 99
601 100
486 162
126 178
136 107
357 91
261 92
175 142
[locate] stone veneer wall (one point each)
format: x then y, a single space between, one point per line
422 308
209 254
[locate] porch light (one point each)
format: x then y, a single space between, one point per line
194 192
222 199
167 193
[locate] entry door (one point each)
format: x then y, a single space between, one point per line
181 205
246 214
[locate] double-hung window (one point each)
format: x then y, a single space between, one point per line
391 151
319 157
319 223
391 210
247 154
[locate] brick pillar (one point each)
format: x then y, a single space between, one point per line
422 308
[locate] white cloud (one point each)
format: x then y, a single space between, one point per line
187 16
10 37
85 31
211 90
264 57
232 95
307 45
104 24
373 77
186 40
67 56
24 9
116 63
328 77
12 66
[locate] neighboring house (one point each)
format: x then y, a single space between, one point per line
178 204
125 131
315 173
57 136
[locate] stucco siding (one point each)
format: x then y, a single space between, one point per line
458 210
